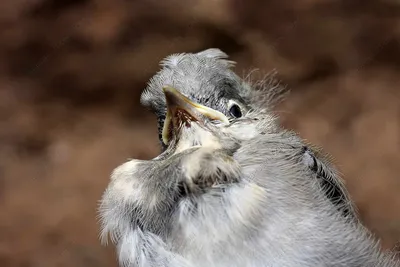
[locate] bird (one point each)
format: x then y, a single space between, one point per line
228 193
207 78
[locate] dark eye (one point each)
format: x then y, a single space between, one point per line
235 111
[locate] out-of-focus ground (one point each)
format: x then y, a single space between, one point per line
71 73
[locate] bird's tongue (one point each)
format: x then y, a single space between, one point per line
181 112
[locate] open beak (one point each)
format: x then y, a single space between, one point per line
181 111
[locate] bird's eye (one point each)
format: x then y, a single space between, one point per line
235 110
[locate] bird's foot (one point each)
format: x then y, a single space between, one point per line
208 168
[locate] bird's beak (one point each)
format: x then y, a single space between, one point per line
181 110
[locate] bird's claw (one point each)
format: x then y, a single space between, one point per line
207 168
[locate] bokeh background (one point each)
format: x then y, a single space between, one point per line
71 73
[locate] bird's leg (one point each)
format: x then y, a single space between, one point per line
146 191
159 184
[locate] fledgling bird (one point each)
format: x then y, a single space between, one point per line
228 193
207 78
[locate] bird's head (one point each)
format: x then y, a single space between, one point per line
189 124
206 78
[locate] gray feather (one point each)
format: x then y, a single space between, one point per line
246 194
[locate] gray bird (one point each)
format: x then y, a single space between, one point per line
207 78
228 193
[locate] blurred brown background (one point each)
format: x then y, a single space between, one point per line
71 73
